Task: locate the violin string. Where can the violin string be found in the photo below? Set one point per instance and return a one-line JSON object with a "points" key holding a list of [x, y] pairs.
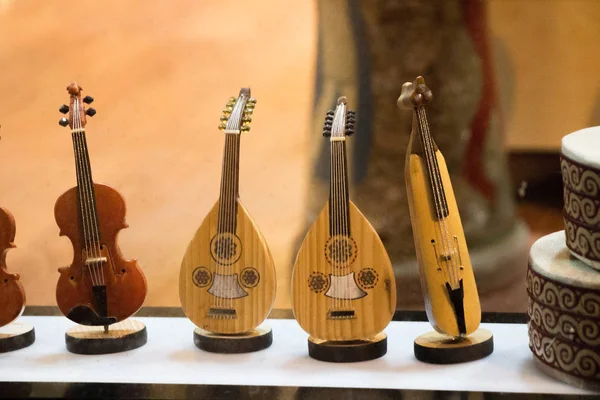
{"points": [[93, 211], [436, 177], [77, 128]]}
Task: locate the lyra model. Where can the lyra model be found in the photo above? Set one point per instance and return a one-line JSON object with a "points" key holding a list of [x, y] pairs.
{"points": [[343, 283], [447, 279], [227, 280], [12, 295], [100, 287]]}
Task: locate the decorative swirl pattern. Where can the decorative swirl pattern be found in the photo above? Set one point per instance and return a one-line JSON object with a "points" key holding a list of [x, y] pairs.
{"points": [[580, 178], [569, 327], [578, 361], [568, 298], [582, 240], [581, 209]]}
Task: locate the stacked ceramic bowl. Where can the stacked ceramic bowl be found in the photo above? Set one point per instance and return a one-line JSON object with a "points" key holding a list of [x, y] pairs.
{"points": [[563, 281]]}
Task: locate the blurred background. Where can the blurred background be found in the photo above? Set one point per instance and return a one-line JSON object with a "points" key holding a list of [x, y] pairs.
{"points": [[509, 79]]}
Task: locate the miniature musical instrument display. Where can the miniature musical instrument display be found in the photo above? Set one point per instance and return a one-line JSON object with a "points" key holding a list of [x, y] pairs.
{"points": [[100, 287], [447, 279], [343, 286], [12, 294], [227, 279]]}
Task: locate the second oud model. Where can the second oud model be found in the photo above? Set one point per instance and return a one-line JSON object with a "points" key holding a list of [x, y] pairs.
{"points": [[448, 283], [100, 287], [227, 279], [343, 284]]}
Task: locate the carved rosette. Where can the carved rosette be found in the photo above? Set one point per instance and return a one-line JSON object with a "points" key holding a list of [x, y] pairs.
{"points": [[564, 327], [581, 191]]}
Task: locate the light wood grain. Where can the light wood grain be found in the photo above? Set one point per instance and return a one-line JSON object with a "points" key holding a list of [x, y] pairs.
{"points": [[425, 228], [372, 312], [251, 309]]}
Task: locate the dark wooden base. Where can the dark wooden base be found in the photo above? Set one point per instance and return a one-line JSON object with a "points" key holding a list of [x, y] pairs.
{"points": [[254, 340], [435, 348], [15, 336], [348, 351], [125, 335]]}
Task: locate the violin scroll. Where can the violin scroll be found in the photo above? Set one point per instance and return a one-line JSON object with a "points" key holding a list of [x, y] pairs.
{"points": [[77, 111], [415, 94]]}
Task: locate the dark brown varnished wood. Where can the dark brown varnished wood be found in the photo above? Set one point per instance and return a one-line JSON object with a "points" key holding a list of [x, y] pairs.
{"points": [[12, 294], [125, 282]]}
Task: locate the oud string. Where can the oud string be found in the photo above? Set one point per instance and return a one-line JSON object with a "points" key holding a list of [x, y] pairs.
{"points": [[345, 229]]}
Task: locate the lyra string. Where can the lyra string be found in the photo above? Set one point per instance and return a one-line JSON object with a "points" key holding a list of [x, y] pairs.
{"points": [[449, 249]]}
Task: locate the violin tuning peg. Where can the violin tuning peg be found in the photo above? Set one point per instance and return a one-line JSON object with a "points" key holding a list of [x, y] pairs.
{"points": [[63, 122], [64, 109], [88, 99], [90, 112]]}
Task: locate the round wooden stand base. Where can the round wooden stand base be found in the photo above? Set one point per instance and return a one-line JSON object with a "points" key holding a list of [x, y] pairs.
{"points": [[254, 340], [348, 351], [435, 348], [125, 335], [570, 379], [15, 336]]}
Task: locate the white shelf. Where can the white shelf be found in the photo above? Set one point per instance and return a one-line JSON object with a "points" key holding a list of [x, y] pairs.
{"points": [[170, 357]]}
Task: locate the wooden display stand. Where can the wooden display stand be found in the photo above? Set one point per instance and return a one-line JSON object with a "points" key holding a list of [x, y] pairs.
{"points": [[253, 340], [15, 336], [435, 348], [348, 351], [123, 336]]}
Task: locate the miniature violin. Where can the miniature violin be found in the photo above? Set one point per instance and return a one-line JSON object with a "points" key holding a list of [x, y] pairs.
{"points": [[343, 285], [12, 295], [447, 278], [100, 287], [227, 279]]}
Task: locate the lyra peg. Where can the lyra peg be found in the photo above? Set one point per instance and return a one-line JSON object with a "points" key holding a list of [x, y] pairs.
{"points": [[343, 288], [227, 278], [447, 278], [100, 288]]}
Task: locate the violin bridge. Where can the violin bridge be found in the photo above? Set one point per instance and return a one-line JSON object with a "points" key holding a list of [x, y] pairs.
{"points": [[95, 260]]}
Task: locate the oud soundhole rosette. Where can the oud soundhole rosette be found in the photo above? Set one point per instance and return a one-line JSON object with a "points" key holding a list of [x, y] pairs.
{"points": [[340, 251], [225, 248], [368, 278], [249, 277], [201, 277], [318, 282]]}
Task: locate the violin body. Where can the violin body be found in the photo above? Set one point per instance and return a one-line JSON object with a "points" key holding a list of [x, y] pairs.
{"points": [[361, 287], [227, 293], [439, 308], [124, 280], [12, 294]]}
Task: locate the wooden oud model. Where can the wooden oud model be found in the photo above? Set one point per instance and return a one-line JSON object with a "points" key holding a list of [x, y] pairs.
{"points": [[343, 284], [12, 295], [227, 279], [447, 279], [100, 287]]}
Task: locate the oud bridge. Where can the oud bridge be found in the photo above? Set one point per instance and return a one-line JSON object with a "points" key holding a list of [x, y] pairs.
{"points": [[222, 313], [341, 314]]}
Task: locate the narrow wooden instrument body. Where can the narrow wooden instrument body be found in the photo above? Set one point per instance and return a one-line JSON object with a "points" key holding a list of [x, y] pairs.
{"points": [[425, 229], [372, 278], [125, 282], [247, 279], [12, 294]]}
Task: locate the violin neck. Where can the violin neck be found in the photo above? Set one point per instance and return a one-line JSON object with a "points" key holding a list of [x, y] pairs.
{"points": [[85, 190], [339, 214], [428, 152], [229, 194]]}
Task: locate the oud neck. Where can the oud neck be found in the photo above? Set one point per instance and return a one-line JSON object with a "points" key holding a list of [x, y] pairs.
{"points": [[85, 189], [433, 169], [229, 194], [339, 215]]}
